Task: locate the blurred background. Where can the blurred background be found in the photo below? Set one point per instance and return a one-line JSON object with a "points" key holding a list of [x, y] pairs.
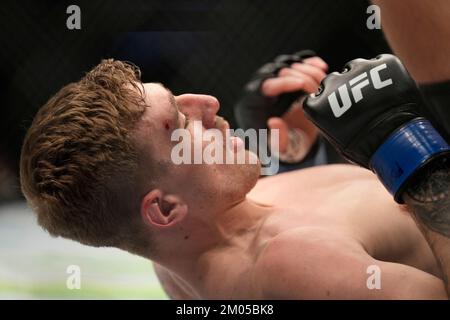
{"points": [[209, 47]]}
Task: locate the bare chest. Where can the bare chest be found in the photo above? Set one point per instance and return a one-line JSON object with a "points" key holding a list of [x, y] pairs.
{"points": [[349, 201]]}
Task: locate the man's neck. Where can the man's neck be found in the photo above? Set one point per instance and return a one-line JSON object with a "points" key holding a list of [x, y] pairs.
{"points": [[205, 235]]}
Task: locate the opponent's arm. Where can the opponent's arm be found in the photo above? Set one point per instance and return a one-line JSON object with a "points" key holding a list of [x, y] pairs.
{"points": [[419, 37], [428, 198], [418, 32]]}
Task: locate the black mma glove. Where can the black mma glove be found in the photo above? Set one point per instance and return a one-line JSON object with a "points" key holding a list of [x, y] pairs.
{"points": [[254, 108], [370, 113], [437, 106]]}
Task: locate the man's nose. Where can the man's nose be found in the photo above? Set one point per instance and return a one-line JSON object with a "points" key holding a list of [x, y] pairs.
{"points": [[199, 107]]}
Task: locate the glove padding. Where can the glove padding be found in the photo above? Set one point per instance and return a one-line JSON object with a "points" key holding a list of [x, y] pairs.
{"points": [[254, 108], [371, 113], [360, 107], [437, 106]]}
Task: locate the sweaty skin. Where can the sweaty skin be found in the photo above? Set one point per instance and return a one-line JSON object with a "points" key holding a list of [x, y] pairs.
{"points": [[317, 225]]}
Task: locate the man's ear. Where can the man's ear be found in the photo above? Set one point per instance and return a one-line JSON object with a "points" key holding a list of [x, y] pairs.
{"points": [[159, 210]]}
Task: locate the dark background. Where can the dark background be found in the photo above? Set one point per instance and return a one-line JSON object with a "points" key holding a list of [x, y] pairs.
{"points": [[209, 47]]}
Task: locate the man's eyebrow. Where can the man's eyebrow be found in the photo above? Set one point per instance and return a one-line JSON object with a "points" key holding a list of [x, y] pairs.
{"points": [[172, 101], [171, 96]]}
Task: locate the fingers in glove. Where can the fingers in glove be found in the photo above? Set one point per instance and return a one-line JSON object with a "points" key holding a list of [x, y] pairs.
{"points": [[318, 62], [291, 72], [315, 72], [276, 86]]}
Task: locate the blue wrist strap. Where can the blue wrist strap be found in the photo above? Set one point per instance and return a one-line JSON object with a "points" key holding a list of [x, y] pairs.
{"points": [[404, 152]]}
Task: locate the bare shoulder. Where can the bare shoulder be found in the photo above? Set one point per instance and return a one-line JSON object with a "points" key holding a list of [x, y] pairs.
{"points": [[294, 262], [311, 263], [306, 241]]}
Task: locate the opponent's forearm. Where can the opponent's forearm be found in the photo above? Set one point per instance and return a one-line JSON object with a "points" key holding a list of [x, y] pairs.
{"points": [[428, 199], [418, 31]]}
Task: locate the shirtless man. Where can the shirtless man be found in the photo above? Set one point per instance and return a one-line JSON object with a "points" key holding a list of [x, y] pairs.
{"points": [[310, 234], [418, 37], [96, 168]]}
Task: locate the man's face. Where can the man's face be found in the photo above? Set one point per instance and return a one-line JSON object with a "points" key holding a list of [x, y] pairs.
{"points": [[218, 184]]}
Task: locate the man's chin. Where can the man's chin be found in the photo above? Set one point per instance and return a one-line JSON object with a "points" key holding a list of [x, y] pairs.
{"points": [[239, 181], [252, 169]]}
